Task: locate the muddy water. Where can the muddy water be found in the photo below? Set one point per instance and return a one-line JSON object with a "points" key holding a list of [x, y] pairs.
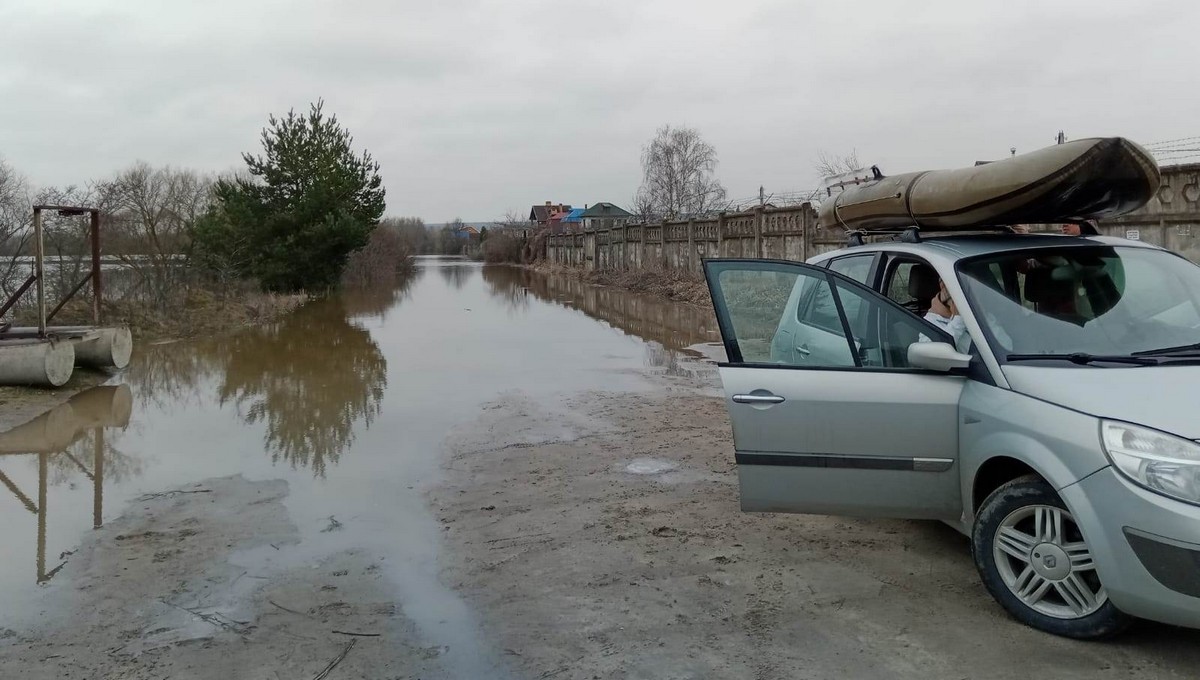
{"points": [[349, 400]]}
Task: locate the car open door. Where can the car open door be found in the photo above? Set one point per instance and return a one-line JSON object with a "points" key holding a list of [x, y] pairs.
{"points": [[845, 427]]}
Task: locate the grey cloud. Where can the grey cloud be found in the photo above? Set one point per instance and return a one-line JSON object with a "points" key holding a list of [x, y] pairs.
{"points": [[474, 107]]}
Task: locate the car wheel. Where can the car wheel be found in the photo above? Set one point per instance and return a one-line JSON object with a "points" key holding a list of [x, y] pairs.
{"points": [[1034, 560]]}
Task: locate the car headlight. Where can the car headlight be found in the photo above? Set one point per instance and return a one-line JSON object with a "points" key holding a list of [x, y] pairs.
{"points": [[1161, 462]]}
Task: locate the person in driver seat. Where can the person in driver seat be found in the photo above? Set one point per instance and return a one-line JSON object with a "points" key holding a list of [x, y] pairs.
{"points": [[928, 289]]}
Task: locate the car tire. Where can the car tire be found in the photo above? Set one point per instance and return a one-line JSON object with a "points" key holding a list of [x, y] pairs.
{"points": [[1033, 559]]}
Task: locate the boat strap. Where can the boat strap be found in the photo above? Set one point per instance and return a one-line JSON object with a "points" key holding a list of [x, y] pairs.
{"points": [[908, 198]]}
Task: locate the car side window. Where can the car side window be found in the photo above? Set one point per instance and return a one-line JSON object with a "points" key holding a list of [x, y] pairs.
{"points": [[818, 308], [857, 267], [897, 285]]}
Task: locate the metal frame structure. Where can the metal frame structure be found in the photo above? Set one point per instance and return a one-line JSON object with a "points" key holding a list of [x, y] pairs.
{"points": [[39, 273]]}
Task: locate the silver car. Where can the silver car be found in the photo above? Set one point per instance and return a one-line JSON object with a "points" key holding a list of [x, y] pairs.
{"points": [[1058, 430]]}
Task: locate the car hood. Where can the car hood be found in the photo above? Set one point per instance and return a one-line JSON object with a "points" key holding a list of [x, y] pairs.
{"points": [[1161, 397]]}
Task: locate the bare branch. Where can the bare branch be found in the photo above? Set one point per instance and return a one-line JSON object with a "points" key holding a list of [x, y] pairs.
{"points": [[829, 165], [678, 169]]}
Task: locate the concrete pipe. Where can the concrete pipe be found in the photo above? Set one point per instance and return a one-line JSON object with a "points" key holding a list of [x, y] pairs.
{"points": [[110, 349], [46, 363]]}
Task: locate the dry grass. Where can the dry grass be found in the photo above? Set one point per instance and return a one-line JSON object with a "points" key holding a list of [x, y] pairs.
{"points": [[198, 312], [672, 284]]}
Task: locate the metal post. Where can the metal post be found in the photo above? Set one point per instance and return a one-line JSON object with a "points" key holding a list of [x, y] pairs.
{"points": [[96, 289], [39, 252]]}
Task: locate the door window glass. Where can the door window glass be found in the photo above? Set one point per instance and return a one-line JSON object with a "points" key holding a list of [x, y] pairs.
{"points": [[755, 301], [882, 333], [795, 315]]}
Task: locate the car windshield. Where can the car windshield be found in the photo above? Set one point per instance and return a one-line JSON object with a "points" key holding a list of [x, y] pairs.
{"points": [[1102, 301]]}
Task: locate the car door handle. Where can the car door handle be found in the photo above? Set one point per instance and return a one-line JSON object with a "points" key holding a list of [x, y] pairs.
{"points": [[757, 399], [803, 350]]}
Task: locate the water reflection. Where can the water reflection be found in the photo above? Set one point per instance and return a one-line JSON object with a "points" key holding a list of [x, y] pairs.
{"points": [[63, 439], [672, 325], [377, 301], [310, 379], [457, 277]]}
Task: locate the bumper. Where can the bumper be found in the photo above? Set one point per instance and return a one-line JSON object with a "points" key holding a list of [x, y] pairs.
{"points": [[1146, 547]]}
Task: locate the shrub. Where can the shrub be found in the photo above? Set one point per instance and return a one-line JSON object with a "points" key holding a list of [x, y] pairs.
{"points": [[379, 262], [501, 248]]}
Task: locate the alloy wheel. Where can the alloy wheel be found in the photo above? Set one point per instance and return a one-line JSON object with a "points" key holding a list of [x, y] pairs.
{"points": [[1043, 559]]}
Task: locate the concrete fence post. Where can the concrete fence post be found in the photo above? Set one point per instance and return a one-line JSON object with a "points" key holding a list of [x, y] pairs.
{"points": [[691, 228], [720, 232], [758, 232], [805, 231], [642, 255], [624, 246], [666, 257]]}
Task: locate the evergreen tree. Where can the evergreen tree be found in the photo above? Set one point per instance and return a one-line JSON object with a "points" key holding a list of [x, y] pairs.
{"points": [[306, 204]]}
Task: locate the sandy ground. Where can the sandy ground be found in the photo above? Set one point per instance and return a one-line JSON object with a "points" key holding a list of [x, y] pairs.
{"points": [[596, 537], [610, 545], [184, 586]]}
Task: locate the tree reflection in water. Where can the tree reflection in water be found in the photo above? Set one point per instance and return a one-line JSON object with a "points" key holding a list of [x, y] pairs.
{"points": [[509, 285], [674, 325], [457, 273], [376, 301], [311, 378]]}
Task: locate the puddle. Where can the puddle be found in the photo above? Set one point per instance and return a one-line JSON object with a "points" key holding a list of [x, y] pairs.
{"points": [[650, 466], [348, 400]]}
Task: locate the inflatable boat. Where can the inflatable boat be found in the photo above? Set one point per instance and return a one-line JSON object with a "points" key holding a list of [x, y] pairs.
{"points": [[1085, 179]]}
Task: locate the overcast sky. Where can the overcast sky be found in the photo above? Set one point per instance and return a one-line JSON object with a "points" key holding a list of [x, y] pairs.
{"points": [[477, 107]]}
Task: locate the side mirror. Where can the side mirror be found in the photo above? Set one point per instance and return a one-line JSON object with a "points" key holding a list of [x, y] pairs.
{"points": [[937, 356]]}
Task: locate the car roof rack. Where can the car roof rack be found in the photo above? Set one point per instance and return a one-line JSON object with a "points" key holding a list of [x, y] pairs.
{"points": [[915, 235]]}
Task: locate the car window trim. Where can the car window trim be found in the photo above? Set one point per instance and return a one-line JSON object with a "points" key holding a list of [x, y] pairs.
{"points": [[872, 271]]}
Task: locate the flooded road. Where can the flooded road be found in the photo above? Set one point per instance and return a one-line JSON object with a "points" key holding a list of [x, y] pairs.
{"points": [[348, 400]]}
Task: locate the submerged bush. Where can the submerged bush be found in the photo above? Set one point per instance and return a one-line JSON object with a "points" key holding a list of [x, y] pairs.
{"points": [[379, 262]]}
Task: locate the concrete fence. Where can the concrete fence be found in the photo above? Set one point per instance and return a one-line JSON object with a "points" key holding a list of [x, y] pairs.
{"points": [[782, 233], [1171, 220]]}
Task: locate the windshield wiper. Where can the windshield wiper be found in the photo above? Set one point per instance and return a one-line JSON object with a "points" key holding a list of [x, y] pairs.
{"points": [[1083, 358], [1181, 350]]}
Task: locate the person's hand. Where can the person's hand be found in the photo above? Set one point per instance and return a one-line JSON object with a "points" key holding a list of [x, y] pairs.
{"points": [[1020, 228], [953, 307]]}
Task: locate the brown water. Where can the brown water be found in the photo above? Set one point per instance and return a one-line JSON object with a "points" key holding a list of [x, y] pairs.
{"points": [[348, 399]]}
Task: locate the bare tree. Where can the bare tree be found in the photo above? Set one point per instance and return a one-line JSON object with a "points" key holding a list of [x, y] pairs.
{"points": [[15, 216], [150, 215], [678, 169], [412, 231], [829, 165]]}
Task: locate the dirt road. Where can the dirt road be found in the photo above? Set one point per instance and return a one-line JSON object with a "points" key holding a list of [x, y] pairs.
{"points": [[610, 545]]}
